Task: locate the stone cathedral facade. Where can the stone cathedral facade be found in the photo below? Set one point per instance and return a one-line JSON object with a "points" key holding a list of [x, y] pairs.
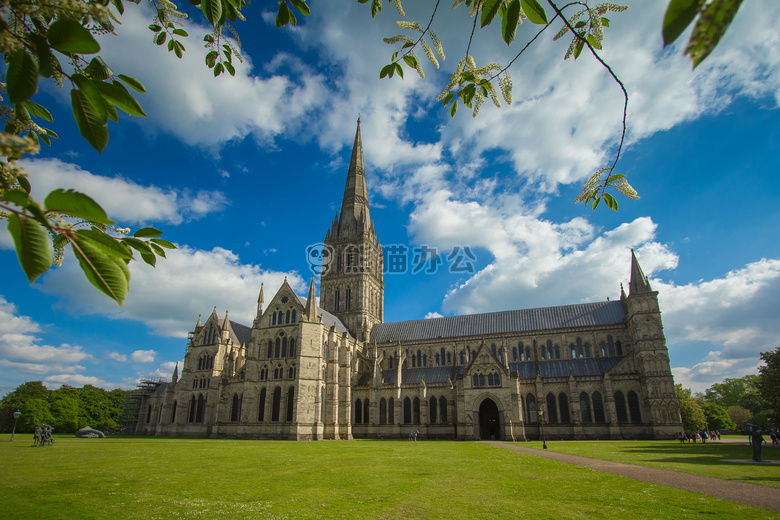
{"points": [[337, 371]]}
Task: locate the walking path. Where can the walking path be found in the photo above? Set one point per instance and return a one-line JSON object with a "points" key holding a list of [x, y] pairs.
{"points": [[756, 495]]}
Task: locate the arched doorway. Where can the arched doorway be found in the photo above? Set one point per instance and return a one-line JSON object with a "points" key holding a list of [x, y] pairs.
{"points": [[489, 420]]}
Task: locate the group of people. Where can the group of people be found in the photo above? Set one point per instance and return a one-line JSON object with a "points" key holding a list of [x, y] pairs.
{"points": [[700, 436], [43, 435]]}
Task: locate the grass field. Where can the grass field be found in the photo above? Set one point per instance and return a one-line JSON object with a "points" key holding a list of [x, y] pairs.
{"points": [[702, 459], [149, 478]]}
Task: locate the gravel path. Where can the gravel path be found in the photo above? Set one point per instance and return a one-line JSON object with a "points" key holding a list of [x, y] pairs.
{"points": [[756, 495]]}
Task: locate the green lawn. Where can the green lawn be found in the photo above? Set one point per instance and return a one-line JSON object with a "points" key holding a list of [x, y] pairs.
{"points": [[702, 459], [148, 478]]}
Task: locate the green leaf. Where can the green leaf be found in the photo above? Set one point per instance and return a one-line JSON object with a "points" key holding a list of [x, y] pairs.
{"points": [[509, 23], [120, 7], [489, 11], [535, 12], [32, 245], [147, 232], [45, 139], [69, 36], [454, 108], [411, 61], [218, 69], [37, 110], [161, 38], [155, 28], [211, 58], [138, 245], [610, 201], [679, 14], [46, 59], [593, 43], [613, 178], [24, 183], [116, 94], [108, 274], [163, 243], [90, 89], [212, 9], [77, 205], [19, 197], [578, 48], [710, 28], [111, 113], [92, 127], [301, 6], [107, 244], [180, 32], [97, 69], [21, 77], [229, 67], [448, 98], [596, 201], [133, 83], [170, 45], [283, 16], [157, 249], [399, 69], [52, 133], [387, 70], [376, 8]]}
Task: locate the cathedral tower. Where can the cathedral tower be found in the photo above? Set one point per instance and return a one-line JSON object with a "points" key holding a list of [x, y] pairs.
{"points": [[351, 284]]}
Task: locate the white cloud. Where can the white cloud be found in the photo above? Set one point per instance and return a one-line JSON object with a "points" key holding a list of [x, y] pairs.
{"points": [[187, 101], [116, 356], [169, 297], [123, 199], [55, 381], [432, 315], [21, 350], [143, 356]]}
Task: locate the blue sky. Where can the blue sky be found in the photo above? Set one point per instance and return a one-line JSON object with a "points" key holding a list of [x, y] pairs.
{"points": [[244, 173]]}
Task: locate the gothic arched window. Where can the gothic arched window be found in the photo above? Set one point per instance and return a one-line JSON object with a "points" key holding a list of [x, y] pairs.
{"points": [[620, 407], [598, 407], [585, 408], [633, 407], [261, 406], [563, 405]]}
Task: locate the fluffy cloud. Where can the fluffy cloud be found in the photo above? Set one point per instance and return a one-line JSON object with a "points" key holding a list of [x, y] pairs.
{"points": [[189, 103], [124, 200], [116, 356], [20, 349], [169, 297], [143, 356], [55, 381]]}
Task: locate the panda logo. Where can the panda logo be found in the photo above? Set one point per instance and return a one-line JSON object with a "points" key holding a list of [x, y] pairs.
{"points": [[319, 257]]}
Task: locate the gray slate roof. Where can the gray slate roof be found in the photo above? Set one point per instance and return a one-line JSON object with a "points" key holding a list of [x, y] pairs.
{"points": [[564, 367], [526, 320], [430, 375], [327, 318]]}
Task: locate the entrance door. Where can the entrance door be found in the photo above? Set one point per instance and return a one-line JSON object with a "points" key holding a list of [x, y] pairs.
{"points": [[488, 421]]}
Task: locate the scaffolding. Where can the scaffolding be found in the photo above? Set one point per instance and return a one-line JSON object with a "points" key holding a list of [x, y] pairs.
{"points": [[131, 406]]}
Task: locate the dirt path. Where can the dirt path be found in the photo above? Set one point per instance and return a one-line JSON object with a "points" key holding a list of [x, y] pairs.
{"points": [[756, 495]]}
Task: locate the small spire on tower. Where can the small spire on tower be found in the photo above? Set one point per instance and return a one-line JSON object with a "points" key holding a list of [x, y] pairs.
{"points": [[311, 303], [175, 377], [225, 324], [639, 282], [260, 301]]}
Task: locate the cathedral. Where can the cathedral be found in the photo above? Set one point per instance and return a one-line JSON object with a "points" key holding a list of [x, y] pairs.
{"points": [[336, 370]]}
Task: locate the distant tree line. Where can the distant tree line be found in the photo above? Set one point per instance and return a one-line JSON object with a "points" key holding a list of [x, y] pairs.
{"points": [[67, 409], [736, 402]]}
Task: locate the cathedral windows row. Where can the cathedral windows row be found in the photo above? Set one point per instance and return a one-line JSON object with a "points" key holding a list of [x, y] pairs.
{"points": [[276, 404], [201, 382], [579, 350], [205, 362], [611, 348], [438, 410], [210, 336], [591, 408], [235, 408], [412, 411], [551, 352], [280, 348], [278, 373], [283, 318], [387, 411], [521, 353], [197, 409], [361, 411], [479, 380]]}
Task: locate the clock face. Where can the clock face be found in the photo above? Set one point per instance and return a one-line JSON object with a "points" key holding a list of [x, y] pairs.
{"points": [[284, 299]]}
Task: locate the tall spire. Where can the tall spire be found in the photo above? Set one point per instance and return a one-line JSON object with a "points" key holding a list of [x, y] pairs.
{"points": [[311, 303], [639, 282], [175, 377], [260, 302], [355, 202]]}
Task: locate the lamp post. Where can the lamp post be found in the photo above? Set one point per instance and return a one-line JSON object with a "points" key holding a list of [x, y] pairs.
{"points": [[17, 413], [541, 424]]}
